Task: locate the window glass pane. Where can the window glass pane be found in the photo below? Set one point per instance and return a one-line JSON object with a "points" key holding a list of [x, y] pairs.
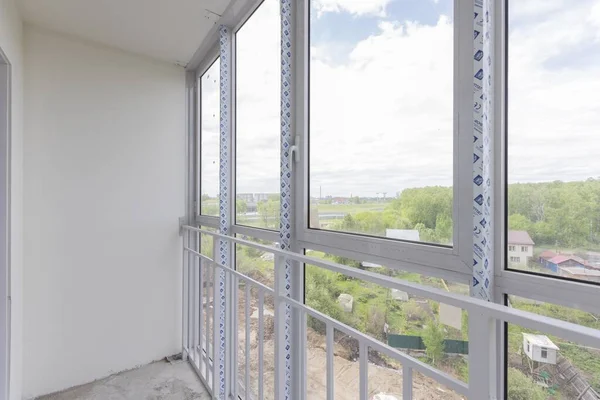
{"points": [[207, 241], [381, 118], [433, 332], [257, 126], [255, 263], [249, 341], [546, 367], [206, 270], [259, 266], [209, 138], [553, 119]]}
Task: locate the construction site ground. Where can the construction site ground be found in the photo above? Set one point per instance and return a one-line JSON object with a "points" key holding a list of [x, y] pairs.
{"points": [[384, 378]]}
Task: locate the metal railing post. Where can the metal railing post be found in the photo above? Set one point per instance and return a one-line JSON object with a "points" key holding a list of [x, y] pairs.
{"points": [[407, 381], [233, 334], [484, 318], [482, 357], [280, 320], [184, 304], [216, 337]]}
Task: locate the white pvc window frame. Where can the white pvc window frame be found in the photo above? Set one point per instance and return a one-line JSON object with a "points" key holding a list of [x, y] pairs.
{"points": [[453, 263], [581, 295], [242, 229], [212, 57], [5, 224], [448, 263]]}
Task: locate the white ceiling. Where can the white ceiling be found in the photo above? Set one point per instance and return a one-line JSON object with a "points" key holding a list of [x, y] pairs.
{"points": [[169, 30]]}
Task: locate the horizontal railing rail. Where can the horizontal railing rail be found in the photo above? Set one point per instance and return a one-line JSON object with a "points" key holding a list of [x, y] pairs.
{"points": [[482, 325]]}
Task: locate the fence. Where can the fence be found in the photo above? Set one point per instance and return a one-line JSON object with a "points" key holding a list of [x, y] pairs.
{"points": [[210, 333], [416, 343]]}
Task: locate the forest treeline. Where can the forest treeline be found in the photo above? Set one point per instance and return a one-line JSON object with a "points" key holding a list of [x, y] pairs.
{"points": [[557, 214]]}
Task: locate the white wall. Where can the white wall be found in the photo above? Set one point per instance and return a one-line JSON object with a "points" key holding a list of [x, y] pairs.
{"points": [[523, 255], [11, 44], [537, 355], [104, 187]]}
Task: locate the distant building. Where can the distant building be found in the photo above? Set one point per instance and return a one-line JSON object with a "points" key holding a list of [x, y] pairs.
{"points": [[593, 258], [581, 273], [340, 200], [539, 348], [254, 197], [545, 256], [258, 197], [561, 261], [403, 234], [247, 197], [520, 247], [251, 207]]}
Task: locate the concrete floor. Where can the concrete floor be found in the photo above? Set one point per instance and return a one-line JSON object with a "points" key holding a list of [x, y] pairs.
{"points": [[157, 381]]}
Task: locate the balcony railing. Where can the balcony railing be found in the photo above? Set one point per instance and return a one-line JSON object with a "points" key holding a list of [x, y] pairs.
{"points": [[207, 349]]}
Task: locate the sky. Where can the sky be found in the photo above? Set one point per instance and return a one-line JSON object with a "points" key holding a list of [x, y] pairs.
{"points": [[381, 105]]}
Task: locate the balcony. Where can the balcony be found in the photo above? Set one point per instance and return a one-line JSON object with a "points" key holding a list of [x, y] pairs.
{"points": [[311, 199]]}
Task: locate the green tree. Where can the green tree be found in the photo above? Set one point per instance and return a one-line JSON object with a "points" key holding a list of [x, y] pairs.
{"points": [[443, 227], [210, 209], [433, 338], [375, 321], [269, 213], [423, 205], [321, 294], [560, 214], [241, 206], [426, 234], [520, 222], [521, 387]]}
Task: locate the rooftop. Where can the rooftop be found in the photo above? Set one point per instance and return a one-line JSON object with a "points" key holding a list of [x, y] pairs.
{"points": [[561, 258], [581, 271], [519, 237], [403, 234], [547, 254], [540, 340]]}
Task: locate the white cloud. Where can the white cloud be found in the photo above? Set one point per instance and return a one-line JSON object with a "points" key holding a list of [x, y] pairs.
{"points": [[533, 8], [554, 109], [209, 97], [356, 7], [382, 120], [258, 109], [258, 104]]}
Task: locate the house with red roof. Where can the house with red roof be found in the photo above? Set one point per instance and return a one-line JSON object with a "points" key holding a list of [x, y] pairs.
{"points": [[546, 255], [563, 261], [520, 247]]}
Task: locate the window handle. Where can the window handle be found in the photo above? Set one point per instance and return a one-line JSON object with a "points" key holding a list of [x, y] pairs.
{"points": [[293, 154]]}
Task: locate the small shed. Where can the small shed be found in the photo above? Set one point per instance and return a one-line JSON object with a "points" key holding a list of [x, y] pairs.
{"points": [[399, 295], [346, 301], [539, 348], [365, 265]]}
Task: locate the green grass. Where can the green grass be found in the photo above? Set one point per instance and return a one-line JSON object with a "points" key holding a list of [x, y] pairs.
{"points": [[373, 306], [408, 276], [585, 359]]}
